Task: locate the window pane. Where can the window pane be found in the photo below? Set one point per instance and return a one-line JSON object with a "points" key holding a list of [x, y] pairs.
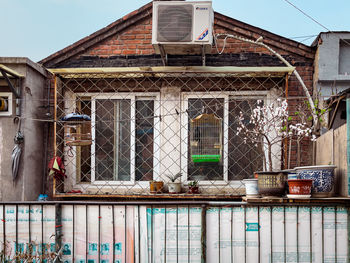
{"points": [[144, 140], [243, 158], [84, 159], [206, 170], [122, 139], [113, 140]]}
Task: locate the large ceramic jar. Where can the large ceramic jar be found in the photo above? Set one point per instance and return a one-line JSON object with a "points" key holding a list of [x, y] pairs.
{"points": [[272, 183], [322, 176]]}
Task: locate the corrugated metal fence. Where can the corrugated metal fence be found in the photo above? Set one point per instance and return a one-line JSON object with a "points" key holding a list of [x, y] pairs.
{"points": [[173, 232]]}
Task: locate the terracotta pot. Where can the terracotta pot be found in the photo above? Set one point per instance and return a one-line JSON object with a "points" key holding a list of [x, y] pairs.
{"points": [[174, 188], [272, 183], [193, 190], [300, 186], [155, 186]]}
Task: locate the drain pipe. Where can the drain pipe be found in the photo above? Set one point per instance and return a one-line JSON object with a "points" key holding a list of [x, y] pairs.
{"points": [[259, 42], [348, 140], [46, 138]]}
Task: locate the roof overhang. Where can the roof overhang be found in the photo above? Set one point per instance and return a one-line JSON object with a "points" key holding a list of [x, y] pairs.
{"points": [[9, 72], [134, 72]]}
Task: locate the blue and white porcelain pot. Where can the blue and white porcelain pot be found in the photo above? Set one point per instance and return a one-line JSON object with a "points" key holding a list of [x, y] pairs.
{"points": [[323, 178]]}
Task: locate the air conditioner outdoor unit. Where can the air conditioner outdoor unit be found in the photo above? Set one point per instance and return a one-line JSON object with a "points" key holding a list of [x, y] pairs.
{"points": [[181, 27]]}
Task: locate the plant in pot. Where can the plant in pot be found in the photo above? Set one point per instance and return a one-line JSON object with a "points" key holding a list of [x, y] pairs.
{"points": [[193, 187], [173, 186], [156, 187], [267, 127], [322, 176]]}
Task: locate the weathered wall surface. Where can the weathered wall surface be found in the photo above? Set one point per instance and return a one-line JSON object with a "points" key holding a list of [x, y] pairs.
{"points": [[332, 149], [330, 63], [177, 233], [28, 184]]}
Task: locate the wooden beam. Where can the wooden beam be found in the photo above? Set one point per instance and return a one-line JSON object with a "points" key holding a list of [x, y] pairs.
{"points": [[11, 71], [9, 83], [280, 71]]}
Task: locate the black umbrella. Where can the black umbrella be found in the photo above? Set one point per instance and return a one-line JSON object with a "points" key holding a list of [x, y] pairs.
{"points": [[16, 153]]}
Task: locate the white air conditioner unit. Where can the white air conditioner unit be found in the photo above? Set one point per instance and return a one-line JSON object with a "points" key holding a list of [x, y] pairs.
{"points": [[180, 27]]}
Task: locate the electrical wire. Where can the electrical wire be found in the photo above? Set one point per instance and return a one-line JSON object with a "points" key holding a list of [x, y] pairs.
{"points": [[304, 13], [313, 19], [303, 36]]}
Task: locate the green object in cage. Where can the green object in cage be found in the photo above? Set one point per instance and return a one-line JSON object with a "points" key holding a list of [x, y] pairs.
{"points": [[206, 139], [212, 158]]}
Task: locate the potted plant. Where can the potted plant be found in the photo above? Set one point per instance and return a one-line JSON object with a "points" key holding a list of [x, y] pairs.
{"points": [[322, 176], [267, 127], [193, 187], [155, 186], [174, 187]]}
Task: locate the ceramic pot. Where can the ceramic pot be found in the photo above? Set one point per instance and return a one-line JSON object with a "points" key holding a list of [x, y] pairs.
{"points": [[322, 176], [272, 183], [155, 186], [291, 173], [251, 187], [300, 186], [193, 190], [174, 188]]}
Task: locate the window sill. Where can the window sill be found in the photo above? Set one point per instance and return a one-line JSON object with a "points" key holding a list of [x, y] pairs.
{"points": [[285, 200], [150, 196]]}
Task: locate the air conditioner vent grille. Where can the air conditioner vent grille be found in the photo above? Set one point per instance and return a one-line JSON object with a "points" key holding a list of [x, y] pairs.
{"points": [[175, 23]]}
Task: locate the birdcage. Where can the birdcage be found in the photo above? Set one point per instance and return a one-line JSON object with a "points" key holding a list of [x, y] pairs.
{"points": [[206, 139], [77, 129]]}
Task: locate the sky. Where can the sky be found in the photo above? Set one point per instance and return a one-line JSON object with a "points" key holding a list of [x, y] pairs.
{"points": [[39, 28]]}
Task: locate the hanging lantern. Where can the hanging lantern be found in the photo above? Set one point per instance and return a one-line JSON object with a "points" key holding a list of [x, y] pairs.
{"points": [[206, 139], [77, 129]]}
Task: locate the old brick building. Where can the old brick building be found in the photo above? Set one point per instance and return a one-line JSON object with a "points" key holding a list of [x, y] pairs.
{"points": [[140, 105]]}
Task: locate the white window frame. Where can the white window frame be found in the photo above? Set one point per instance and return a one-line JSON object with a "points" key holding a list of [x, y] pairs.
{"points": [[133, 97], [9, 106], [185, 96]]}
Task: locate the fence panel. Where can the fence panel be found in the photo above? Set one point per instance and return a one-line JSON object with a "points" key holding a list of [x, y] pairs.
{"points": [[169, 232]]}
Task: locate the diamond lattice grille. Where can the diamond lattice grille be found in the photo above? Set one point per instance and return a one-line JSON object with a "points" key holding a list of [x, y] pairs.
{"points": [[141, 129]]}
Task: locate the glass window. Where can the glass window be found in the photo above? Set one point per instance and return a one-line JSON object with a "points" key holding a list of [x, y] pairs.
{"points": [[204, 171], [114, 144], [113, 140], [238, 160]]}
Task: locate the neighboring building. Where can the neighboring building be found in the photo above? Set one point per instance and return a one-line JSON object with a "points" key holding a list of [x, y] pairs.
{"points": [[23, 94], [332, 62], [141, 105], [332, 86], [332, 71]]}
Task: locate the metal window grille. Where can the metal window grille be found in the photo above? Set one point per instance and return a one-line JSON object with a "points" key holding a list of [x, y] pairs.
{"points": [[140, 123]]}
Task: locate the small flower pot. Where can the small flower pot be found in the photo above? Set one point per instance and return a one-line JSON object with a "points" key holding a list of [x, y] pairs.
{"points": [[174, 188], [193, 190], [155, 187], [251, 187], [300, 186]]}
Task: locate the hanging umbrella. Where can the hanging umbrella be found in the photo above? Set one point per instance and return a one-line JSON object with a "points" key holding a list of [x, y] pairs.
{"points": [[16, 154]]}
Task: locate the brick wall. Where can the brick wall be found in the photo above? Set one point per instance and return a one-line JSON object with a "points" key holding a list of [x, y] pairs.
{"points": [[132, 47]]}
